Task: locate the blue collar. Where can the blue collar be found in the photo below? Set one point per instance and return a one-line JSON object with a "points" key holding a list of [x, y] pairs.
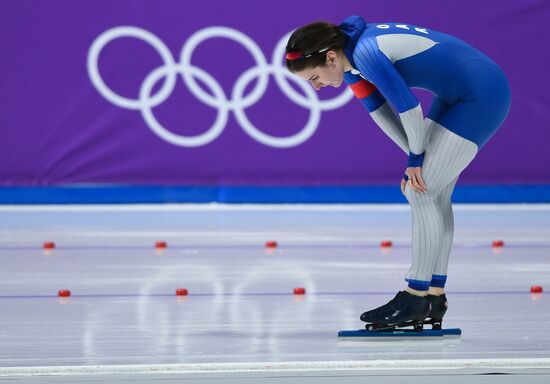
{"points": [[348, 50], [353, 27]]}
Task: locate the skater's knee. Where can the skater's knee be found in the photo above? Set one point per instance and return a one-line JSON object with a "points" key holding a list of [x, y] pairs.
{"points": [[416, 198]]}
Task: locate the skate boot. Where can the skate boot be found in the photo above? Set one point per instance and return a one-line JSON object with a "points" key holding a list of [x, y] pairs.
{"points": [[437, 311], [403, 311]]}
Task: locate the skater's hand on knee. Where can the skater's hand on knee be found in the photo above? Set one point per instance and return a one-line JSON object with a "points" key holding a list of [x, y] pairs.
{"points": [[415, 179], [403, 184]]}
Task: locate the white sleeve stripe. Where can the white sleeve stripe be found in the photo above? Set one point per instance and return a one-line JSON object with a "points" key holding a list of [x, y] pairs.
{"points": [[413, 123]]}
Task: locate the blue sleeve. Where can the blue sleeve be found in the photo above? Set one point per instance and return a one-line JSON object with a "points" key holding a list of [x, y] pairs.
{"points": [[377, 68]]}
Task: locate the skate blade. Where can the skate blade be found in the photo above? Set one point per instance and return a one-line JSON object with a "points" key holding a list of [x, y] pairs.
{"points": [[399, 334]]}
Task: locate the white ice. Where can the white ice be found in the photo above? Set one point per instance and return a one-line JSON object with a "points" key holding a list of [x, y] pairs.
{"points": [[241, 309]]}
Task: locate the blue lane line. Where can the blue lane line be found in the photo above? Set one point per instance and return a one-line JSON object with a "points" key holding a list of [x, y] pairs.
{"points": [[133, 194], [257, 294]]}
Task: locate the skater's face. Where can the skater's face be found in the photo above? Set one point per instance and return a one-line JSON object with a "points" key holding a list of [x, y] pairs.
{"points": [[330, 74]]}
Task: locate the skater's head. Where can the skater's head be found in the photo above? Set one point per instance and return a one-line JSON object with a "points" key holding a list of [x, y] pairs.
{"points": [[314, 52]]}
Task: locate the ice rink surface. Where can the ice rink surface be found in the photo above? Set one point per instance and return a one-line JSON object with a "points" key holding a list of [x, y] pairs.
{"points": [[241, 321]]}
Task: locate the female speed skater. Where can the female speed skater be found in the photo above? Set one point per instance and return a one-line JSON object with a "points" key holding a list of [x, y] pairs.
{"points": [[471, 98]]}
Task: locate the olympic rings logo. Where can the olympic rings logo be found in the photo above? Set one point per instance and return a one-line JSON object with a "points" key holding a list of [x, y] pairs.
{"points": [[237, 103]]}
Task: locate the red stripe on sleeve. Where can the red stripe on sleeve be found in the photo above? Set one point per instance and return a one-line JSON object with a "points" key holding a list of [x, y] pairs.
{"points": [[362, 89]]}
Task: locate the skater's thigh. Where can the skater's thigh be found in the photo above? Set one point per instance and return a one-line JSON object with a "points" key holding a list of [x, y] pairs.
{"points": [[482, 102], [447, 155]]}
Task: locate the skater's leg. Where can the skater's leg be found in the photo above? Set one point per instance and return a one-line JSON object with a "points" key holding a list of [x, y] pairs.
{"points": [[436, 292], [437, 110], [447, 155], [474, 117], [439, 276], [427, 231]]}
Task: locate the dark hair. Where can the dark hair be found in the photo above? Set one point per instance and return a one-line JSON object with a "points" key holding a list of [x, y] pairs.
{"points": [[312, 41]]}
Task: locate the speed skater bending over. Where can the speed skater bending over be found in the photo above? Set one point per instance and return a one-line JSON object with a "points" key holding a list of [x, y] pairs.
{"points": [[381, 62]]}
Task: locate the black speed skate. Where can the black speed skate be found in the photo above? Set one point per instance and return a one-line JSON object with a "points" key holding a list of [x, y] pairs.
{"points": [[438, 307], [404, 310]]}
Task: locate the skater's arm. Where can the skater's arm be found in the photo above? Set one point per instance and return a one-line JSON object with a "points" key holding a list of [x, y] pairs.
{"points": [[388, 121], [376, 67], [380, 111]]}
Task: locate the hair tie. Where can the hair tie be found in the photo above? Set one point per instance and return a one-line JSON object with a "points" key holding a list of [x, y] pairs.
{"points": [[295, 55]]}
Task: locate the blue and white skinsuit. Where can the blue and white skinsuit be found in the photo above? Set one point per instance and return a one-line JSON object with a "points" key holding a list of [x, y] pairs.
{"points": [[471, 100]]}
